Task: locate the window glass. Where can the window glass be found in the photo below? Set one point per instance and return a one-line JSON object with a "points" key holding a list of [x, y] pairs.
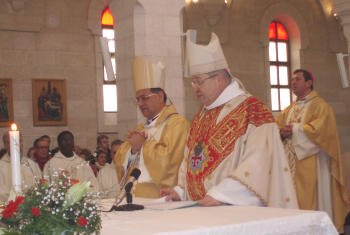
{"points": [[113, 63], [282, 51], [281, 32], [272, 51], [107, 18], [284, 97], [279, 66], [110, 98], [111, 46], [108, 33], [273, 75], [283, 75], [109, 88], [272, 31], [274, 99]]}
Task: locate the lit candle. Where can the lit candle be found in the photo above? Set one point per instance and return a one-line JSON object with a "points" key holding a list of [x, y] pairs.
{"points": [[15, 158]]}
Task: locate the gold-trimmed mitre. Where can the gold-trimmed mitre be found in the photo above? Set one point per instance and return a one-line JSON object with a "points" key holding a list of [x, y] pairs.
{"points": [[148, 74], [203, 58]]}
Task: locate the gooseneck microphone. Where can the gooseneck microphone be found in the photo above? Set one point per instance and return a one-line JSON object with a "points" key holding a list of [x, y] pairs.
{"points": [[127, 193], [134, 175]]}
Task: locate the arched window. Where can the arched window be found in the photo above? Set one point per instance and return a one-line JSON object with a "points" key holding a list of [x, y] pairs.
{"points": [[279, 66], [109, 87]]}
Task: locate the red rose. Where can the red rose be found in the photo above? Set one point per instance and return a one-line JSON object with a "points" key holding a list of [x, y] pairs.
{"points": [[35, 211], [12, 207], [19, 200], [73, 181], [82, 221]]}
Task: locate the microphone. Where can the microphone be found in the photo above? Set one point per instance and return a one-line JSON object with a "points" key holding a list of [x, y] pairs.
{"points": [[129, 206], [134, 175]]}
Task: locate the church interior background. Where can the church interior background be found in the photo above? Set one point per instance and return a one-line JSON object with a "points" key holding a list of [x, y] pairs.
{"points": [[60, 39]]}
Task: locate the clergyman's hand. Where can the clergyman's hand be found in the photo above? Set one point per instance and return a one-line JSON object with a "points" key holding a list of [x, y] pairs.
{"points": [[286, 132], [209, 201], [136, 139], [170, 194]]}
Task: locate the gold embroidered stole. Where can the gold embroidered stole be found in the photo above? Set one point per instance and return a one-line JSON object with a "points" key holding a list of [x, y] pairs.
{"points": [[296, 115], [209, 143]]}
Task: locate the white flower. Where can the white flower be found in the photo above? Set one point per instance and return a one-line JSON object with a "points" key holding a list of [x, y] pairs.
{"points": [[76, 193]]}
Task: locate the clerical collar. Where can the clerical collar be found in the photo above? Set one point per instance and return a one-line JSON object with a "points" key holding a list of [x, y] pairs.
{"points": [[149, 121], [230, 92], [59, 154], [304, 98]]}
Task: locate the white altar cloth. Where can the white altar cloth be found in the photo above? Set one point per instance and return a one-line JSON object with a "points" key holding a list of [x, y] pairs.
{"points": [[230, 220]]}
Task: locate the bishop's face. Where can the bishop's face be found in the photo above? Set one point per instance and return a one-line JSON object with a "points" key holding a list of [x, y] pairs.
{"points": [[150, 104], [206, 87]]}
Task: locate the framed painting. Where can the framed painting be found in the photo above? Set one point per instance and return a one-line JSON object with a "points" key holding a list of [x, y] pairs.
{"points": [[6, 102], [49, 102]]}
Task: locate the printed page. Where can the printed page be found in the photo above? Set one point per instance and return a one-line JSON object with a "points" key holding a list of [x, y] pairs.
{"points": [[161, 204]]}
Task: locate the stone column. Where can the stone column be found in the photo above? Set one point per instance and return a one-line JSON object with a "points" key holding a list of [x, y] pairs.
{"points": [[342, 8], [149, 28]]}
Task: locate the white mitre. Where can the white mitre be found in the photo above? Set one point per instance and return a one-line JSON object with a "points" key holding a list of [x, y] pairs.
{"points": [[203, 58], [148, 74]]}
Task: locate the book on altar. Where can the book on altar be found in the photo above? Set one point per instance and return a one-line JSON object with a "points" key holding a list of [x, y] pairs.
{"points": [[162, 204]]}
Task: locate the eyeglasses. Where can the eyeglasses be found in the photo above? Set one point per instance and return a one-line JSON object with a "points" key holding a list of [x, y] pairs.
{"points": [[200, 82], [143, 98]]}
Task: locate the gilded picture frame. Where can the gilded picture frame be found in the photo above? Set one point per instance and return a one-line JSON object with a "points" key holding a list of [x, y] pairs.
{"points": [[49, 102]]}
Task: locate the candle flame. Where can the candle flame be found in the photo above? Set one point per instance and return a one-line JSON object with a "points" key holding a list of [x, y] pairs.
{"points": [[13, 127]]}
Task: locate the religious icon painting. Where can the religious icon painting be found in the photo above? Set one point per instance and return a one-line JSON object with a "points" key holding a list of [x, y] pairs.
{"points": [[49, 102], [6, 102]]}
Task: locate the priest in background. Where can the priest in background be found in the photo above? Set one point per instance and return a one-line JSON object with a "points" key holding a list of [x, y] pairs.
{"points": [[156, 147], [233, 154], [107, 176], [65, 161], [41, 151], [309, 132], [30, 171]]}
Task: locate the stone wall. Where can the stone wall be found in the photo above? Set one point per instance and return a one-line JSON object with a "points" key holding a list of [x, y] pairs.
{"points": [[50, 39], [59, 39], [243, 30]]}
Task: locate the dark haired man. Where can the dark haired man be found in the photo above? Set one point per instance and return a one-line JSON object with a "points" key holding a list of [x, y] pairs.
{"points": [[103, 143], [156, 147], [65, 161], [309, 132]]}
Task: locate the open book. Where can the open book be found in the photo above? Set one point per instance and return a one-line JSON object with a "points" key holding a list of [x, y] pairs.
{"points": [[161, 204], [152, 204]]}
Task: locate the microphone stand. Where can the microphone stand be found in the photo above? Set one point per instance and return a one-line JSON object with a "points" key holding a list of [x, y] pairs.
{"points": [[129, 206]]}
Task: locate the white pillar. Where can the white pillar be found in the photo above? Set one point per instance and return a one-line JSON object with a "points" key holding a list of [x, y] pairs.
{"points": [[149, 28], [342, 9], [162, 41]]}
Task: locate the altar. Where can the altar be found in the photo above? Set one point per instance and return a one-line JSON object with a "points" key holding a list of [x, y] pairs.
{"points": [[240, 220]]}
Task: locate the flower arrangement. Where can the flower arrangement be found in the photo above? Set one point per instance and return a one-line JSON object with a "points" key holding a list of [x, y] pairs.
{"points": [[60, 207]]}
